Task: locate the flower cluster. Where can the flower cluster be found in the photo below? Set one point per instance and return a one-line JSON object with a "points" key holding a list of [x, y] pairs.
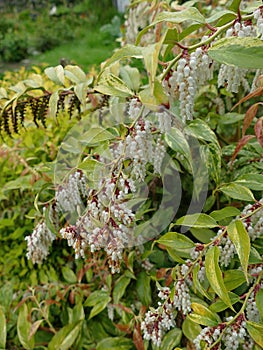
{"points": [[252, 312], [159, 320], [192, 71], [39, 242], [258, 15], [70, 194], [233, 335], [106, 222], [233, 76], [253, 219]]}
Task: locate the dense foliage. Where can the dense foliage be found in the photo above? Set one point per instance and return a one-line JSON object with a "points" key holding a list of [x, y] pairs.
{"points": [[147, 178]]}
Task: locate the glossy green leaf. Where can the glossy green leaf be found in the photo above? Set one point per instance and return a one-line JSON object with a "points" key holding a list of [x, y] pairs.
{"points": [[189, 14], [143, 288], [171, 339], [75, 74], [202, 315], [197, 284], [178, 242], [119, 289], [53, 104], [255, 330], [151, 56], [126, 51], [96, 135], [233, 279], [117, 343], [69, 275], [56, 74], [214, 275], [99, 299], [131, 76], [240, 238], [155, 99], [237, 51], [65, 337], [201, 130], [3, 332], [220, 15], [112, 85], [219, 305], [23, 328], [203, 235], [236, 191], [197, 221], [234, 5], [190, 329], [259, 302], [252, 181], [254, 256], [225, 212], [176, 140]]}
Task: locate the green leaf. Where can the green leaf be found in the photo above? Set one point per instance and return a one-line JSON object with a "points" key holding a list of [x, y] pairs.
{"points": [[234, 6], [201, 130], [99, 300], [53, 104], [259, 302], [116, 343], [75, 74], [171, 339], [254, 256], [197, 221], [252, 181], [131, 76], [143, 288], [69, 275], [65, 337], [123, 53], [240, 238], [237, 51], [219, 15], [96, 135], [3, 332], [225, 212], [197, 284], [176, 140], [214, 275], [56, 74], [219, 305], [190, 329], [155, 99], [119, 289], [112, 85], [202, 315], [23, 328], [203, 235], [190, 14], [236, 191], [178, 242], [151, 56], [255, 330], [233, 279]]}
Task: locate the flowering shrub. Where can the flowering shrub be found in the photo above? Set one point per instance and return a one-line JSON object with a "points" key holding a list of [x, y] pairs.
{"points": [[157, 187]]}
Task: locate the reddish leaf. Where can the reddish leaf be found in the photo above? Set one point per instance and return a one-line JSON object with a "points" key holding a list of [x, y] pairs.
{"points": [[123, 328], [241, 144], [255, 93], [250, 114], [137, 338], [259, 130]]}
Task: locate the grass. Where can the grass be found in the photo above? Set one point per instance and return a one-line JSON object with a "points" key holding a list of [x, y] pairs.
{"points": [[90, 48]]}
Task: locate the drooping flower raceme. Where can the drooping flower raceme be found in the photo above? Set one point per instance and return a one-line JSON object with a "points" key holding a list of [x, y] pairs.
{"points": [[39, 242]]}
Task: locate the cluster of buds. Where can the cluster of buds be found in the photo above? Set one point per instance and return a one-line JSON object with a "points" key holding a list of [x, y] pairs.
{"points": [[231, 76], [252, 312], [192, 71], [39, 242], [253, 219], [69, 196], [158, 321], [258, 15], [106, 223], [232, 335]]}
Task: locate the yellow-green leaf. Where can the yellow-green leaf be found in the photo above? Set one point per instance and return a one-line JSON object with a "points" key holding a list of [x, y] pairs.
{"points": [[255, 330], [23, 328], [2, 329], [214, 275], [240, 238]]}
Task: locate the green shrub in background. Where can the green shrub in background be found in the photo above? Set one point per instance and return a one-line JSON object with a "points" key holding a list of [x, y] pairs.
{"points": [[148, 183]]}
